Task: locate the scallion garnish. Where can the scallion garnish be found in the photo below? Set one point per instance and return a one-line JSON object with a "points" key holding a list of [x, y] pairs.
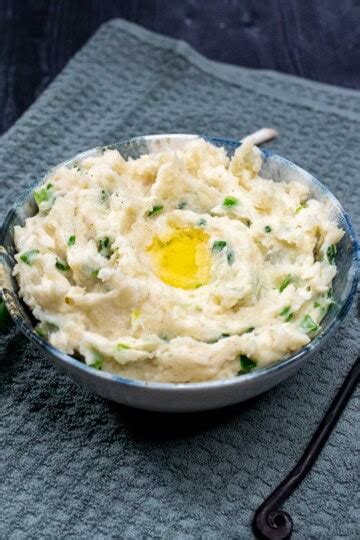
{"points": [[97, 359], [267, 228], [230, 201], [71, 240], [95, 272], [29, 256], [62, 265], [325, 302], [286, 313], [156, 210], [309, 325], [285, 282], [104, 247], [246, 364], [218, 246], [122, 346], [250, 329], [44, 329], [44, 194], [301, 207], [331, 254]]}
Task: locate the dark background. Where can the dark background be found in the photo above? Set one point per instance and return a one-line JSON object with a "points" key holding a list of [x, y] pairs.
{"points": [[317, 39]]}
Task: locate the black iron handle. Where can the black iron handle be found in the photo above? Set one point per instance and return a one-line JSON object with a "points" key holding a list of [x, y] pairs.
{"points": [[272, 523]]}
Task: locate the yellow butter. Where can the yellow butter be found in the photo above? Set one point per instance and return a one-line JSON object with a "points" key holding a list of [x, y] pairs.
{"points": [[183, 261]]}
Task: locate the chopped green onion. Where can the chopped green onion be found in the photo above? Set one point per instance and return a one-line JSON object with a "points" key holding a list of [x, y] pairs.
{"points": [[218, 246], [97, 360], [156, 210], [285, 282], [104, 247], [182, 205], [122, 346], [323, 308], [325, 302], [309, 325], [104, 242], [250, 329], [94, 273], [40, 331], [331, 253], [267, 229], [201, 222], [230, 256], [286, 313], [230, 201], [62, 265], [29, 256], [71, 240], [246, 364], [44, 329], [44, 194], [301, 207]]}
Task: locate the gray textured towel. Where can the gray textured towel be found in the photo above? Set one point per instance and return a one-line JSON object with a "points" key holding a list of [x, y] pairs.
{"points": [[78, 466]]}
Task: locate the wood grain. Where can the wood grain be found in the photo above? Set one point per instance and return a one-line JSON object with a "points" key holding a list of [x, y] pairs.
{"points": [[311, 38]]}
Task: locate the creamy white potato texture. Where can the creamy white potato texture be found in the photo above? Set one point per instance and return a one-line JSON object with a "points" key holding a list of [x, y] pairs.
{"points": [[179, 266]]}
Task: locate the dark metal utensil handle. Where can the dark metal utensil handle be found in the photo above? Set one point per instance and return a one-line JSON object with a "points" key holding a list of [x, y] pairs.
{"points": [[272, 523]]}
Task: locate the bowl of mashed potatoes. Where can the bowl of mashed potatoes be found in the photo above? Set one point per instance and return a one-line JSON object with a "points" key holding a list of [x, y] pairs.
{"points": [[178, 272]]}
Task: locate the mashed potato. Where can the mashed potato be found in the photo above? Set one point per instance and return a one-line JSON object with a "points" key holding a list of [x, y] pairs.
{"points": [[179, 266]]}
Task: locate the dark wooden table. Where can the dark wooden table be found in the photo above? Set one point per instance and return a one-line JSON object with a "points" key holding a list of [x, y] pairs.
{"points": [[317, 39]]}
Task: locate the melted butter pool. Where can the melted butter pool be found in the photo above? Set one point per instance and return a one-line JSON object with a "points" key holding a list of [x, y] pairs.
{"points": [[184, 261]]}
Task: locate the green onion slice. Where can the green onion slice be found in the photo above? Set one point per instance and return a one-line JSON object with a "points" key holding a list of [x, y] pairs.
{"points": [[230, 201], [156, 210], [246, 364], [285, 282], [62, 265], [331, 254], [29, 256], [309, 325], [218, 246]]}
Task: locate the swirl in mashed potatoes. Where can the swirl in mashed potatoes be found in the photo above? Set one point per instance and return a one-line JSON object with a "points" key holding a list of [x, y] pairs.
{"points": [[179, 266]]}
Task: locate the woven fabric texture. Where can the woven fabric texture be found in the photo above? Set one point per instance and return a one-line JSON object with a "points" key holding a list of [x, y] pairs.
{"points": [[77, 466]]}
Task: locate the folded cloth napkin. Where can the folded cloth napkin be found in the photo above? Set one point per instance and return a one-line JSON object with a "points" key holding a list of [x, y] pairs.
{"points": [[79, 466]]}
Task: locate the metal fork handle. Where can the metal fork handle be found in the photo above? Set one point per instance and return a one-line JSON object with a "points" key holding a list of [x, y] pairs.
{"points": [[272, 523]]}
